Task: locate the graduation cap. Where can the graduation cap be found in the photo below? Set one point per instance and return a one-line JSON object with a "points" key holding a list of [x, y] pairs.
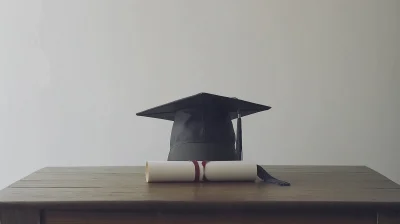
{"points": [[203, 130]]}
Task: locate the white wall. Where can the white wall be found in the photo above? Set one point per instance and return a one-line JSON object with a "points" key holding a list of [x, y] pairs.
{"points": [[74, 73]]}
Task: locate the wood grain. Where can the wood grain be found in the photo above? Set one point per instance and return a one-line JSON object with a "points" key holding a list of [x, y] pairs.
{"points": [[19, 216], [126, 186], [162, 218]]}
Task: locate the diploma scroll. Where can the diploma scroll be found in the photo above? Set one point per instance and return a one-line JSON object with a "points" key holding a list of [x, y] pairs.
{"points": [[198, 171]]}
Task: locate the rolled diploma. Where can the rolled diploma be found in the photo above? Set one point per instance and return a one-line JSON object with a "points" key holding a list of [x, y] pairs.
{"points": [[184, 171]]}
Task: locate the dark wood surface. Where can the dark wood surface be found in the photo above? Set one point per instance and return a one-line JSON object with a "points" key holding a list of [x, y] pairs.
{"points": [[388, 217], [108, 195], [311, 185], [184, 218], [19, 216]]}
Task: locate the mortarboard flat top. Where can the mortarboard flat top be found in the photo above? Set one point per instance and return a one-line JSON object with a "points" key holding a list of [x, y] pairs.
{"points": [[230, 105]]}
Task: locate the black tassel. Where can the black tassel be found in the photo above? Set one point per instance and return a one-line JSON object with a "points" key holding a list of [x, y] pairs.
{"points": [[239, 153], [261, 172], [266, 177]]}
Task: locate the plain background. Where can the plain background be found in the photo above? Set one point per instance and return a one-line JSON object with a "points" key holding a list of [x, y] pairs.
{"points": [[73, 73]]}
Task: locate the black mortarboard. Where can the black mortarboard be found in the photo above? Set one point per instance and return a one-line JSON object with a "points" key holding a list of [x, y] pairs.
{"points": [[202, 128], [227, 105]]}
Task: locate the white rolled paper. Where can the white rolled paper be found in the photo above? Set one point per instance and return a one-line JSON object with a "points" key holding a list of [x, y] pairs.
{"points": [[190, 171]]}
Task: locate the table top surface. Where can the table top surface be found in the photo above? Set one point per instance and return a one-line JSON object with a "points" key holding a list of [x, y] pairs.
{"points": [[311, 185]]}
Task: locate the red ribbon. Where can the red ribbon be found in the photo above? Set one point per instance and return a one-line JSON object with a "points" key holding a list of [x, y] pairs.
{"points": [[196, 171], [204, 163]]}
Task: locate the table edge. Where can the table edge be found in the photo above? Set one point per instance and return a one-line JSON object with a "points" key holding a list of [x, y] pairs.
{"points": [[184, 205]]}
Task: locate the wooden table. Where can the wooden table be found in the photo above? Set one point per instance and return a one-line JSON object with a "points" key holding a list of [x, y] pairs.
{"points": [[111, 195]]}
